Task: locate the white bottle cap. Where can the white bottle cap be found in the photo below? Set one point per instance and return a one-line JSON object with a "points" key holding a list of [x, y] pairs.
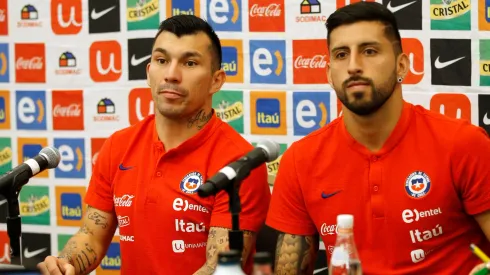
{"points": [[345, 221]]}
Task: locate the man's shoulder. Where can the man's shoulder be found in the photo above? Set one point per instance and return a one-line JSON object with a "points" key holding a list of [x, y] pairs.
{"points": [[122, 136], [228, 138]]}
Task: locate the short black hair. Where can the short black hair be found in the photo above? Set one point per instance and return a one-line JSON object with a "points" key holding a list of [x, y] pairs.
{"points": [[366, 11], [190, 24]]}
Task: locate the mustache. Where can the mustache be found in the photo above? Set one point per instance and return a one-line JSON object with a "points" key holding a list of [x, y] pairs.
{"points": [[356, 78], [170, 86]]}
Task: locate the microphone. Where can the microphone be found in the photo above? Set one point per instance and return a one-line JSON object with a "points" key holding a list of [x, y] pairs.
{"points": [[266, 151], [49, 157]]}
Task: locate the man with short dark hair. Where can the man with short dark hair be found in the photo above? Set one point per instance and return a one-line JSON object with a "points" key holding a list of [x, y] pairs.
{"points": [[146, 176], [415, 181]]}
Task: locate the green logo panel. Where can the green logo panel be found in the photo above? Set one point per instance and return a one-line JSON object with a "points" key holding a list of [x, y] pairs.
{"points": [[143, 14], [450, 15], [5, 155], [35, 205], [485, 62], [229, 108], [62, 240]]}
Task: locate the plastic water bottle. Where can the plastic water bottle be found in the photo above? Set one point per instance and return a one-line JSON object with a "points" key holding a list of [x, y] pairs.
{"points": [[262, 263], [229, 263], [345, 259]]}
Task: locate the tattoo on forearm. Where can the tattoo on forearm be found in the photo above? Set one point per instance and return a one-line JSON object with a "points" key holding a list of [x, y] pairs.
{"points": [[295, 254], [68, 251], [200, 119], [98, 219], [85, 259], [85, 230]]}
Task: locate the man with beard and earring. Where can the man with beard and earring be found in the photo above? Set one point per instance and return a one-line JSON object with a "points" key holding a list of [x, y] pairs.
{"points": [[415, 181]]}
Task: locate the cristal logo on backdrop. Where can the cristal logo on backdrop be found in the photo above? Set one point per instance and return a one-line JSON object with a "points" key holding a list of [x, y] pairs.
{"points": [[66, 16], [67, 110]]}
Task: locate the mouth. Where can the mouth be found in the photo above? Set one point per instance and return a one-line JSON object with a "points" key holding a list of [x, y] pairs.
{"points": [[170, 94], [357, 84]]}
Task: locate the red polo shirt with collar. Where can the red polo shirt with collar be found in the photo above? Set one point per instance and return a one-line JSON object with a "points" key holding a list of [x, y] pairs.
{"points": [[412, 201], [163, 223]]}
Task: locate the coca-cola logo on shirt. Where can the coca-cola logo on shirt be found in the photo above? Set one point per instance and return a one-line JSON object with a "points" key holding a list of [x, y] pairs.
{"points": [[328, 229], [316, 62], [272, 10], [123, 201], [34, 63], [73, 110]]}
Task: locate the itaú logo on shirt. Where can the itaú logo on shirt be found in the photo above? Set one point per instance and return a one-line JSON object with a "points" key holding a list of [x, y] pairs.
{"points": [[410, 216]]}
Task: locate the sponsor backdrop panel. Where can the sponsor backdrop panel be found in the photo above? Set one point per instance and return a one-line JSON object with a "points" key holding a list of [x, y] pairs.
{"points": [[73, 72]]}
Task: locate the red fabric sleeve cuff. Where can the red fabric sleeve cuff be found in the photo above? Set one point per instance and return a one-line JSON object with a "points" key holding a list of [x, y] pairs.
{"points": [[291, 228], [246, 223], [94, 200]]}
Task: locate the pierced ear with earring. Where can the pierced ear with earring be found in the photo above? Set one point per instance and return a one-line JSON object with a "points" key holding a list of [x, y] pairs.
{"points": [[400, 79]]}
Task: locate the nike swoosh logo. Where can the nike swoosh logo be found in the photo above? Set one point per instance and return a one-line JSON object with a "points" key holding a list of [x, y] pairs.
{"points": [[486, 119], [30, 254], [316, 271], [136, 61], [439, 65], [399, 7], [96, 15], [326, 196], [122, 167]]}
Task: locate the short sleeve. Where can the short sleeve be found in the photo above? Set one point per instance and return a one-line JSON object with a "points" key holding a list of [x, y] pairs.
{"points": [[470, 165], [287, 211], [99, 193], [254, 198]]}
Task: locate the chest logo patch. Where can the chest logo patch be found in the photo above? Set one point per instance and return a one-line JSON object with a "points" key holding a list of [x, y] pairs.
{"points": [[417, 184], [191, 182]]}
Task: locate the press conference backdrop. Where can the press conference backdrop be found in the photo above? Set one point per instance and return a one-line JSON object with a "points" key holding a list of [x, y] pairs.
{"points": [[73, 72]]}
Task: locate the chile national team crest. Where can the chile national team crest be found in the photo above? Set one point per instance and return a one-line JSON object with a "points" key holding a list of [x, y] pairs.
{"points": [[191, 182], [417, 184]]}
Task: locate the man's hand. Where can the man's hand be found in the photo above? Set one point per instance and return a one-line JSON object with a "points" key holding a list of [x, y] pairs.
{"points": [[56, 266], [479, 267]]}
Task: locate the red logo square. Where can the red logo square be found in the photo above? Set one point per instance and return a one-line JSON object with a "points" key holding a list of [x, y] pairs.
{"points": [[310, 58], [96, 145], [266, 15], [4, 18], [67, 110], [30, 63]]}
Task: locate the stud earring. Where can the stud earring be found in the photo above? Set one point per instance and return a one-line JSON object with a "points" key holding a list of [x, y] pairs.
{"points": [[400, 79]]}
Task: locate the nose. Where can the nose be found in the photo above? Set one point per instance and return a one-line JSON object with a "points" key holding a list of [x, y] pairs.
{"points": [[172, 73], [355, 64]]}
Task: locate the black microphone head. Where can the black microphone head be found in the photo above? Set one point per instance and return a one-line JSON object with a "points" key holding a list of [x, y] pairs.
{"points": [[52, 155], [271, 148], [206, 190]]}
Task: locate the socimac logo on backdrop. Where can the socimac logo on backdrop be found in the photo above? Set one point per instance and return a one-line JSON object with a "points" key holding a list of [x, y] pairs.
{"points": [[225, 15], [232, 62], [267, 61], [72, 164], [189, 7], [31, 110], [268, 113]]}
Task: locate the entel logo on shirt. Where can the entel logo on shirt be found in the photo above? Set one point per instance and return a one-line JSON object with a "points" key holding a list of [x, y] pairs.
{"points": [[452, 105], [72, 164], [105, 61], [141, 104], [232, 60], [66, 16], [268, 113], [31, 106], [267, 61], [310, 59], [184, 205], [408, 214], [311, 111], [188, 7], [225, 15], [266, 15], [415, 51]]}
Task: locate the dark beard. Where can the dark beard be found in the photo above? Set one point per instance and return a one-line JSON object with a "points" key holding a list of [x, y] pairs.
{"points": [[378, 97]]}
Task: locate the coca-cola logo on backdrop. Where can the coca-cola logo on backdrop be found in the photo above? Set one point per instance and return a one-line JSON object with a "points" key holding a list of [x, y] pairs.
{"points": [[316, 62], [72, 110], [270, 10], [30, 63], [310, 61], [266, 15], [67, 110]]}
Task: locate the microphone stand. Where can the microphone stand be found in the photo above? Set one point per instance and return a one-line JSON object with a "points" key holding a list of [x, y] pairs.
{"points": [[14, 224], [235, 235]]}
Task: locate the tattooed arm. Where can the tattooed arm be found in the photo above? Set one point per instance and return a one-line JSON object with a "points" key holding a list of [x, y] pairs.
{"points": [[295, 254], [88, 246], [218, 241]]}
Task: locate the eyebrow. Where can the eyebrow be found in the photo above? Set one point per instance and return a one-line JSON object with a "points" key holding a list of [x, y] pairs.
{"points": [[184, 55], [362, 45]]}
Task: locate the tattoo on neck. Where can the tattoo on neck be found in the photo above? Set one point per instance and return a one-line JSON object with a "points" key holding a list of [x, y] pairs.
{"points": [[200, 119]]}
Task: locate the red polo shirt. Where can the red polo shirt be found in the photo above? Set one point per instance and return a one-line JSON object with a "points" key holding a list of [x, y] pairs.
{"points": [[412, 201], [163, 223]]}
